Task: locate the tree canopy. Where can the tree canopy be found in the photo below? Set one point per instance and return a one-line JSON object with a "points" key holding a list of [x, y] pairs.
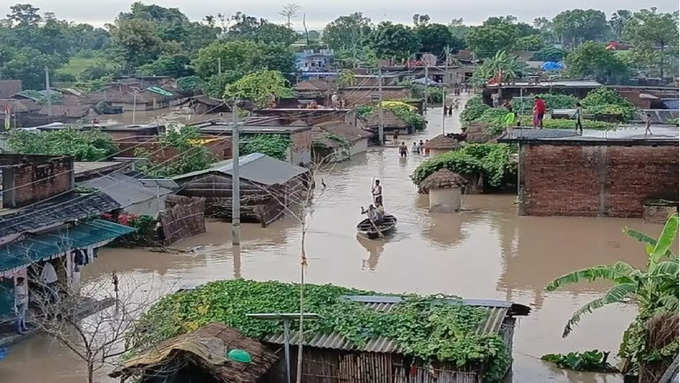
{"points": [[394, 41], [592, 59], [260, 87], [500, 33], [578, 25], [654, 37]]}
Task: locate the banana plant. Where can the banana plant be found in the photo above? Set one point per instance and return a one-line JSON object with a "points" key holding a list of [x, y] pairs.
{"points": [[653, 290]]}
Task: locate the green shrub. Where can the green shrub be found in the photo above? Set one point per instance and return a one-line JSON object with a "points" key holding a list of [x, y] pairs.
{"points": [[605, 102], [273, 145], [82, 145], [474, 108], [490, 160], [189, 85], [581, 361]]}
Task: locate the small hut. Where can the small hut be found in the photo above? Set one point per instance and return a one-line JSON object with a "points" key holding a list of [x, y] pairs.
{"points": [[444, 188], [441, 144], [202, 357], [268, 186]]}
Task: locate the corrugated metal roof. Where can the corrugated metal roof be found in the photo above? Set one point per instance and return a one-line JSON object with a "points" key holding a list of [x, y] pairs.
{"points": [[497, 312], [66, 208], [37, 247], [125, 190], [256, 167]]}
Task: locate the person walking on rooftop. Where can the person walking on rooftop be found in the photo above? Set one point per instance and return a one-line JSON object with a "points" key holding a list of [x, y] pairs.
{"points": [[648, 124], [539, 112], [579, 124]]}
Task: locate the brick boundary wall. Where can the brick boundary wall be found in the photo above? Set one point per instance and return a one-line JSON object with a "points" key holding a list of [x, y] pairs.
{"points": [[595, 180]]}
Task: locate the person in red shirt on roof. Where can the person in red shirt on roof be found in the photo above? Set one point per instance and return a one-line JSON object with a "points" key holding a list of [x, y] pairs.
{"points": [[539, 111]]}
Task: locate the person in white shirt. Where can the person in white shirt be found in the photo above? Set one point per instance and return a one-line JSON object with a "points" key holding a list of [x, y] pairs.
{"points": [[21, 304], [48, 277]]}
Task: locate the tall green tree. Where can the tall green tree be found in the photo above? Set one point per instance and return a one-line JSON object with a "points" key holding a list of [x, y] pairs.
{"points": [[618, 21], [261, 88], [578, 25], [24, 15], [347, 35], [435, 37], [654, 37], [260, 30], [394, 41], [502, 66], [497, 34], [592, 59]]}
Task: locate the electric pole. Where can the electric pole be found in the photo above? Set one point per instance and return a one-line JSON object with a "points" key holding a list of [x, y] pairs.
{"points": [[381, 119], [235, 180], [444, 88], [427, 82], [47, 89]]}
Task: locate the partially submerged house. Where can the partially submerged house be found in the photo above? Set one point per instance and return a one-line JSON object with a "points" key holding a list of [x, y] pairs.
{"points": [[442, 143], [43, 220], [134, 195], [297, 131], [391, 123], [202, 104], [201, 356], [595, 174], [364, 95], [336, 358], [338, 141], [268, 186]]}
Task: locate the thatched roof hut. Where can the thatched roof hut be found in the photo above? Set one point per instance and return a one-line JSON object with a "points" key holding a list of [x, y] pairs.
{"points": [[202, 353], [442, 143], [442, 179]]}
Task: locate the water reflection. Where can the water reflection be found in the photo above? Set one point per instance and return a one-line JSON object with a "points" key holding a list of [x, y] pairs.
{"points": [[374, 249]]}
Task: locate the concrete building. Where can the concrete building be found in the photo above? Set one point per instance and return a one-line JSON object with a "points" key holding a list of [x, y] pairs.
{"points": [[597, 174]]}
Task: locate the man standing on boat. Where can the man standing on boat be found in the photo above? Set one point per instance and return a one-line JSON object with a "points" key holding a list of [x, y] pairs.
{"points": [[376, 191]]}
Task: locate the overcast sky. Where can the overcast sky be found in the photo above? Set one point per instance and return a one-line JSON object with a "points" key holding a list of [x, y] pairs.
{"points": [[318, 13]]}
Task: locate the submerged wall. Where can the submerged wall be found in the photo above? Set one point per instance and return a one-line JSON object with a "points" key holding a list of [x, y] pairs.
{"points": [[595, 179]]}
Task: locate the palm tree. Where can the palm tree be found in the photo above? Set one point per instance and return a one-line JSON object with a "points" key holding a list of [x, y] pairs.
{"points": [[654, 290], [502, 67]]}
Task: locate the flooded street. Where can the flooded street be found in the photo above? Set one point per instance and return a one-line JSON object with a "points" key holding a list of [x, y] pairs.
{"points": [[485, 251]]}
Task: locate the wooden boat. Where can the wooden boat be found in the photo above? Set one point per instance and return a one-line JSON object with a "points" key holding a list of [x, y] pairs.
{"points": [[367, 229]]}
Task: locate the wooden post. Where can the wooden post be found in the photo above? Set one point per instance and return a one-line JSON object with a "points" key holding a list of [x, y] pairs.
{"points": [[381, 123], [235, 180]]}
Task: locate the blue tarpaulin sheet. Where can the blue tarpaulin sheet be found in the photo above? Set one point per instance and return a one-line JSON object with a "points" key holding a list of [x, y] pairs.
{"points": [[552, 66]]}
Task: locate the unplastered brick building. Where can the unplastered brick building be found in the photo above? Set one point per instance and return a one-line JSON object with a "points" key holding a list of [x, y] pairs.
{"points": [[601, 174]]}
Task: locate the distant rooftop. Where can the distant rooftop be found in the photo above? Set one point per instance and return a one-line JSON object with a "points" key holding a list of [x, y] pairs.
{"points": [[552, 84], [628, 135]]}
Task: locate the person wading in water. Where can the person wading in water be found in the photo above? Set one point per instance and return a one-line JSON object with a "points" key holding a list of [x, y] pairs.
{"points": [[403, 150]]}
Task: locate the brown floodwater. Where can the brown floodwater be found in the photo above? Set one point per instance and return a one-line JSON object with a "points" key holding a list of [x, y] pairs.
{"points": [[484, 251]]}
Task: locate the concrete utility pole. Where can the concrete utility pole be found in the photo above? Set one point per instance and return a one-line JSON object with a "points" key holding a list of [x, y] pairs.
{"points": [[235, 180], [444, 88], [381, 121], [427, 69], [134, 105], [49, 94]]}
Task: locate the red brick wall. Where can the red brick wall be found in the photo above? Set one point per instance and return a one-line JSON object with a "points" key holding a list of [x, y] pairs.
{"points": [[595, 180], [34, 181]]}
